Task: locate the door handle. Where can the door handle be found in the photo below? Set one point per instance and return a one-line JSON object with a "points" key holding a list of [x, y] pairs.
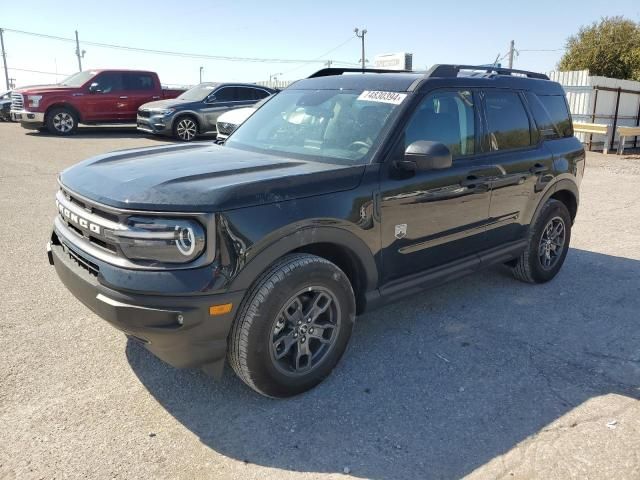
{"points": [[538, 168], [123, 98], [155, 97]]}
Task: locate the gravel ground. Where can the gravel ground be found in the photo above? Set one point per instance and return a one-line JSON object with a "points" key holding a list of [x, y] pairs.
{"points": [[484, 377]]}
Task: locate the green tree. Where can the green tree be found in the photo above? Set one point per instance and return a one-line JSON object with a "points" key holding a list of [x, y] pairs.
{"points": [[608, 48]]}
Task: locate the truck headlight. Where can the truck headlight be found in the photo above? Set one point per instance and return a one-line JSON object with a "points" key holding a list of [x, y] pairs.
{"points": [[164, 240], [34, 100]]}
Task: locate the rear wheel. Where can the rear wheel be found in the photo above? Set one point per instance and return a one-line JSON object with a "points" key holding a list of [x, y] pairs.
{"points": [[293, 326], [548, 245], [61, 121], [185, 128]]}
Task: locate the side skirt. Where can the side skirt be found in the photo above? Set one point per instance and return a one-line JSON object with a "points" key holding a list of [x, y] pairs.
{"points": [[434, 277]]}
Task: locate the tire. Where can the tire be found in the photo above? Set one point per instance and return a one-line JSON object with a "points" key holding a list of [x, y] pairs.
{"points": [[61, 121], [545, 254], [263, 331], [185, 128]]}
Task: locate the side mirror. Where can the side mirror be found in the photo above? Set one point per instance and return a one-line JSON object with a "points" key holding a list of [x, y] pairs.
{"points": [[210, 99], [425, 155], [94, 88]]}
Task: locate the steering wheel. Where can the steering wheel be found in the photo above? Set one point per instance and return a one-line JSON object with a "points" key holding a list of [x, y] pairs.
{"points": [[358, 144]]}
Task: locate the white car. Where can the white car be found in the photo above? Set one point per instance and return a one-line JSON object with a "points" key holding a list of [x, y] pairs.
{"points": [[229, 121]]}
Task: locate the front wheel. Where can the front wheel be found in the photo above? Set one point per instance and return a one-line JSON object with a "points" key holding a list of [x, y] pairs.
{"points": [[548, 244], [293, 326], [61, 121], [185, 129]]}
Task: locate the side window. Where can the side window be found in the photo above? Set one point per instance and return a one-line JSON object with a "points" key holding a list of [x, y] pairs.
{"points": [[446, 117], [138, 81], [259, 94], [551, 115], [507, 120], [226, 94], [245, 94], [109, 82]]}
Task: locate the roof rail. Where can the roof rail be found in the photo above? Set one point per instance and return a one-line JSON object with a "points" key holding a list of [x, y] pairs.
{"points": [[453, 70], [327, 72]]}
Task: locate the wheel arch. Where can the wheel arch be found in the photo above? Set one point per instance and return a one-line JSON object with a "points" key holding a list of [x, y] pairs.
{"points": [[189, 114], [63, 105], [338, 246], [565, 191]]}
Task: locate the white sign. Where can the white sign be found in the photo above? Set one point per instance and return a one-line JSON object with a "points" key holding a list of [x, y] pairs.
{"points": [[394, 98]]}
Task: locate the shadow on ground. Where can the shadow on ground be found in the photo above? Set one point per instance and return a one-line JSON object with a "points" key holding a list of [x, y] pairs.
{"points": [[435, 386]]}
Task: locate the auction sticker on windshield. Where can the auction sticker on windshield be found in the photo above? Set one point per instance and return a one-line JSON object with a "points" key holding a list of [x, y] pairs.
{"points": [[385, 97]]}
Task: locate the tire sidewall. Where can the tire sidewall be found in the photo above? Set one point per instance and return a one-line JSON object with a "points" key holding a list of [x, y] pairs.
{"points": [[267, 378], [552, 209], [53, 113]]}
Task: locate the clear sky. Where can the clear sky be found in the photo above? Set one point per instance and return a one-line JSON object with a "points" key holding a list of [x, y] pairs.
{"points": [[435, 32]]}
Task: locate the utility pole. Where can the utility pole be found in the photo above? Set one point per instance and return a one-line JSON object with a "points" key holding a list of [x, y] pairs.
{"points": [[201, 69], [4, 60], [78, 53], [328, 64], [361, 36], [512, 50]]}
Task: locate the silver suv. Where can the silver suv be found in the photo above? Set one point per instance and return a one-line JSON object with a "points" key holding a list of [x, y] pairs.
{"points": [[196, 110]]}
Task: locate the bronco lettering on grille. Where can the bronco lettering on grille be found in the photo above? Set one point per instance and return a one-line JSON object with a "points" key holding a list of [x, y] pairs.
{"points": [[76, 219]]}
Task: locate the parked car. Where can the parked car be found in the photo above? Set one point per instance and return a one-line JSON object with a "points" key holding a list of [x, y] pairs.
{"points": [[229, 121], [196, 110], [5, 106], [90, 97], [340, 194]]}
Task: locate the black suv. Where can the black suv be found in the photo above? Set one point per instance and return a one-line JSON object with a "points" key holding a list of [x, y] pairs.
{"points": [[345, 191]]}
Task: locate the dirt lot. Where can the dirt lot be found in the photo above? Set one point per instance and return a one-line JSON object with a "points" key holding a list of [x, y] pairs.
{"points": [[485, 377]]}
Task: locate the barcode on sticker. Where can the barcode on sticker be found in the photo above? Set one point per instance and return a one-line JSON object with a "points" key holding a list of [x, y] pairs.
{"points": [[385, 97]]}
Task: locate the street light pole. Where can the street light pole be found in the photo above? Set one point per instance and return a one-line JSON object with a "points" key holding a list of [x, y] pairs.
{"points": [[4, 60], [201, 70], [78, 53], [361, 36], [274, 78]]}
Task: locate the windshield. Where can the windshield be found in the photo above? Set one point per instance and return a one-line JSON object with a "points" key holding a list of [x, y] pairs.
{"points": [[199, 92], [338, 126], [78, 79]]}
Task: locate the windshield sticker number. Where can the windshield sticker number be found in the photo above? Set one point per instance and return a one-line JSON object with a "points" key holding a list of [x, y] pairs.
{"points": [[394, 98]]}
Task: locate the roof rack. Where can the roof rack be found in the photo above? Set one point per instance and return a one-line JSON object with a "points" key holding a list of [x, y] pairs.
{"points": [[327, 72], [453, 70]]}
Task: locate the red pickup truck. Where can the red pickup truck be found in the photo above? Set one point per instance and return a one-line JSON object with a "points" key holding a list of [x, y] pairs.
{"points": [[90, 97]]}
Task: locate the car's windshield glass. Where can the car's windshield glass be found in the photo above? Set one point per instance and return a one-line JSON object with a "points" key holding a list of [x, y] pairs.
{"points": [[338, 126], [199, 92], [78, 79]]}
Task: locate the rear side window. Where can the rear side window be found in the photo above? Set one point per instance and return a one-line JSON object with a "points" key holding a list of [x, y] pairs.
{"points": [[551, 115], [507, 120], [245, 94], [138, 81], [259, 94]]}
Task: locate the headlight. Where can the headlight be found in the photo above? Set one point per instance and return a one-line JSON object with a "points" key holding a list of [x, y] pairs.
{"points": [[167, 112], [164, 240], [34, 100]]}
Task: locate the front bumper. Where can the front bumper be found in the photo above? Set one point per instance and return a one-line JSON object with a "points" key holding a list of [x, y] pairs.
{"points": [[27, 119], [155, 124], [177, 329]]}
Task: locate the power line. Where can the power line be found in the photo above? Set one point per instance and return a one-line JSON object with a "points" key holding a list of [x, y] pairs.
{"points": [[324, 55], [167, 52], [38, 71]]}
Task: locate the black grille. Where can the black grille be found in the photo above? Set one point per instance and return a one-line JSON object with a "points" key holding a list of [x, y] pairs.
{"points": [[144, 113], [225, 128], [82, 262], [17, 102]]}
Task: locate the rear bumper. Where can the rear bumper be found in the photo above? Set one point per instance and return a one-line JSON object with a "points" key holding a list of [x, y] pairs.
{"points": [[29, 120], [177, 329]]}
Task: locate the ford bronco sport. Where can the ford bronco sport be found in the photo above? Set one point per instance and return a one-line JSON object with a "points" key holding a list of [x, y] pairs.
{"points": [[347, 190]]}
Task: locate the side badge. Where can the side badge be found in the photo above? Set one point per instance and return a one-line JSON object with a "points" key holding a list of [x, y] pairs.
{"points": [[401, 231]]}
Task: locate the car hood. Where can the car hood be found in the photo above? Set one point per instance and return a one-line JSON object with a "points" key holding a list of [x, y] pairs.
{"points": [[236, 116], [202, 178], [168, 103], [41, 89]]}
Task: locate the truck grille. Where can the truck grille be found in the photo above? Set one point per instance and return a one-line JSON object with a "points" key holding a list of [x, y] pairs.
{"points": [[144, 113], [17, 102], [225, 128]]}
